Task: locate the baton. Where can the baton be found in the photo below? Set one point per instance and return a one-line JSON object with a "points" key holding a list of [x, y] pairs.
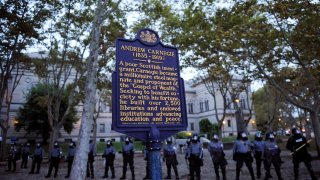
{"points": [[300, 147]]}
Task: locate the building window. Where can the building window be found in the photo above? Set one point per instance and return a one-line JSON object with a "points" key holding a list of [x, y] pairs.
{"points": [[243, 104], [201, 106], [229, 122], [191, 126], [206, 104], [190, 108], [228, 103], [102, 128]]}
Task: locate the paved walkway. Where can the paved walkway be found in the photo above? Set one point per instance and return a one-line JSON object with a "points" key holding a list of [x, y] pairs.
{"points": [[207, 171]]}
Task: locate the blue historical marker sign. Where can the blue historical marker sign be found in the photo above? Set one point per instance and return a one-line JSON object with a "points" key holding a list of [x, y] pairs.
{"points": [[148, 93]]}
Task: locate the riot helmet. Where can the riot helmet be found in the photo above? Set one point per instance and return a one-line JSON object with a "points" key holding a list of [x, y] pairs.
{"points": [[215, 137], [244, 136], [195, 138], [127, 140], [109, 143], [258, 136], [169, 140]]}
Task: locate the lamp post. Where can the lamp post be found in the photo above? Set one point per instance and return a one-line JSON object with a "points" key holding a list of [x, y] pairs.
{"points": [[239, 116]]}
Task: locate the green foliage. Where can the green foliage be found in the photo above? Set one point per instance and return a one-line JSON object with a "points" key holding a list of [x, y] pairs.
{"points": [[205, 126], [33, 116], [183, 135]]}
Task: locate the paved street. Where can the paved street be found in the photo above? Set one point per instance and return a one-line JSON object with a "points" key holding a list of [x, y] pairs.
{"points": [[207, 171]]}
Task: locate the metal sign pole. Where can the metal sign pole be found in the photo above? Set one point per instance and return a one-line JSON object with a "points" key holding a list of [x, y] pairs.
{"points": [[155, 154]]}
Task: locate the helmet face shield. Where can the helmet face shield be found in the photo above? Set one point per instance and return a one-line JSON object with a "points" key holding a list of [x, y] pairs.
{"points": [[215, 137], [258, 135], [271, 136], [243, 135]]}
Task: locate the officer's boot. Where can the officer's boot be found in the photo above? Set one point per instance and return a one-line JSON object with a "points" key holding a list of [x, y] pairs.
{"points": [[49, 172], [132, 174], [168, 173], [251, 173], [223, 170], [105, 173], [176, 172], [296, 171], [216, 169], [124, 172], [237, 174], [55, 172], [313, 176], [112, 172]]}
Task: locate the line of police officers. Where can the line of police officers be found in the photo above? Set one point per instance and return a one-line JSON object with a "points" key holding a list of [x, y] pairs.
{"points": [[266, 151]]}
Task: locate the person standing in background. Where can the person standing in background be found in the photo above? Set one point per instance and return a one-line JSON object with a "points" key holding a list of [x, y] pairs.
{"points": [[37, 158], [218, 156], [109, 154], [25, 155], [170, 157], [258, 147], [298, 144], [12, 157], [91, 154], [128, 155], [70, 157], [195, 154], [242, 154], [54, 160]]}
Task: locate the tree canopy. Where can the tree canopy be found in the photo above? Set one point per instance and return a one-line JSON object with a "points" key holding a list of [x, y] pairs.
{"points": [[33, 115]]}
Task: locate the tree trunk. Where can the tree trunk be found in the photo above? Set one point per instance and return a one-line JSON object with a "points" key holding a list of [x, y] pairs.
{"points": [[79, 166], [3, 144], [316, 129], [54, 135]]}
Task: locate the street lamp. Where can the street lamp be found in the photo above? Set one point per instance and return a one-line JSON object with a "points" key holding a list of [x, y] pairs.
{"points": [[239, 116]]}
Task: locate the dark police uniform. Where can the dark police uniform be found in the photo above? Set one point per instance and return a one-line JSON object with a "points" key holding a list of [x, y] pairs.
{"points": [[146, 158], [37, 159], [170, 158], [242, 153], [271, 156], [127, 154], [187, 156], [294, 142], [25, 155], [12, 157], [218, 157], [109, 155], [258, 147], [90, 169], [70, 157], [54, 160], [195, 154]]}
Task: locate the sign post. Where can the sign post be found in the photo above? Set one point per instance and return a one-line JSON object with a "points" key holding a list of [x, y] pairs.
{"points": [[148, 98]]}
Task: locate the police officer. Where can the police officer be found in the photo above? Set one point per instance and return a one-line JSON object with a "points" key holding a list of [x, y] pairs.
{"points": [[218, 156], [70, 157], [271, 155], [146, 158], [297, 144], [258, 147], [109, 155], [54, 160], [12, 157], [37, 158], [170, 157], [25, 155], [242, 153], [195, 154], [187, 151], [91, 154], [127, 154]]}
